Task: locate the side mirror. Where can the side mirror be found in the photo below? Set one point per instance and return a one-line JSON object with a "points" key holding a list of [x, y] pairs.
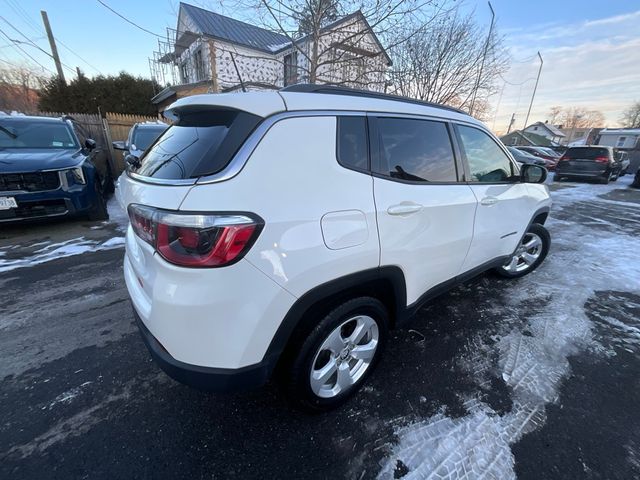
{"points": [[530, 173], [132, 161], [90, 144], [119, 145]]}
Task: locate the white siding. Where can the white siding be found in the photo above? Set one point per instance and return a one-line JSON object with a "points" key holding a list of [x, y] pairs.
{"points": [[342, 66], [613, 140]]}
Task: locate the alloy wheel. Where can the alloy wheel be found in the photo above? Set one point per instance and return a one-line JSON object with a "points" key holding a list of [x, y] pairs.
{"points": [[526, 254], [344, 356]]}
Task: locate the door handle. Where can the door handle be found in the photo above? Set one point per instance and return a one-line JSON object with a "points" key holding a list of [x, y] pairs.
{"points": [[405, 208], [488, 201]]}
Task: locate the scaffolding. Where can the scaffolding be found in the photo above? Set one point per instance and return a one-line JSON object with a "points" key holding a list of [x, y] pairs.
{"points": [[164, 65]]}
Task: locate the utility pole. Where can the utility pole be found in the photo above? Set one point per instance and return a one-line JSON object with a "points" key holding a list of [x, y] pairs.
{"points": [[54, 49], [534, 91], [513, 120], [484, 56]]}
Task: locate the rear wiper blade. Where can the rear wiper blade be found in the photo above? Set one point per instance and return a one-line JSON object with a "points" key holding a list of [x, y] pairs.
{"points": [[8, 132]]}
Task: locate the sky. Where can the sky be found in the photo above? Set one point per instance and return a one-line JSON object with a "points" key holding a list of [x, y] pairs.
{"points": [[590, 48]]}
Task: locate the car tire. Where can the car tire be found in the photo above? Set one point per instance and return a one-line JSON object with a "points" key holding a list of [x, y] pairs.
{"points": [[325, 355], [99, 209], [531, 252]]}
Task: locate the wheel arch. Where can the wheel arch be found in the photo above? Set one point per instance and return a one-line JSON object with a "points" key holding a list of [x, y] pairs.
{"points": [[386, 284]]}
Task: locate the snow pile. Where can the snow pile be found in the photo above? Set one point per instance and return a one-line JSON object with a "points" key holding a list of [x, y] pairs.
{"points": [[533, 357], [53, 251]]}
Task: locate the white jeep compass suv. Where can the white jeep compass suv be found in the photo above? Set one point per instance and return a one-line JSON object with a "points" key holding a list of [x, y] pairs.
{"points": [[289, 231]]}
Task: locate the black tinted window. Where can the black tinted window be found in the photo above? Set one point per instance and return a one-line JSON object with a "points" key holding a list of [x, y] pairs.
{"points": [[487, 161], [199, 143], [143, 137], [418, 150], [352, 142], [586, 153]]}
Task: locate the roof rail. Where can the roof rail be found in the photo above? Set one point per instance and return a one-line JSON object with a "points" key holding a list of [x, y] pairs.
{"points": [[354, 92]]}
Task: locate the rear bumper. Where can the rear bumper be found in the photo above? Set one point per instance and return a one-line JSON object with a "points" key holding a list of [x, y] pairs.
{"points": [[205, 378]]}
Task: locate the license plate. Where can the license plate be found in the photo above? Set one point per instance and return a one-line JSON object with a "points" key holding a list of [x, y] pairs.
{"points": [[7, 202]]}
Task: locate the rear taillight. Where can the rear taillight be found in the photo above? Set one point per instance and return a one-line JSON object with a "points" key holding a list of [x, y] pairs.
{"points": [[602, 159], [195, 239], [564, 158]]}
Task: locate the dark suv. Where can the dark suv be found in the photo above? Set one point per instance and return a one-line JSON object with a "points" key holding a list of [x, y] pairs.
{"points": [[50, 168], [590, 162], [141, 137]]}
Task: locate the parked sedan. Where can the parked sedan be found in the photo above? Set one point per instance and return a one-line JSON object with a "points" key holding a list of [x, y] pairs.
{"points": [[141, 137], [524, 157], [549, 156], [592, 162], [45, 171]]}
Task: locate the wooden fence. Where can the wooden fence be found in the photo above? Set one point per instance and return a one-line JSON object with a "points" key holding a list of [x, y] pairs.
{"points": [[114, 126]]}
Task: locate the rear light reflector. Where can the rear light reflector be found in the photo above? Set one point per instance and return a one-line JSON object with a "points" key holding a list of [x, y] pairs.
{"points": [[196, 239], [603, 159], [564, 158]]}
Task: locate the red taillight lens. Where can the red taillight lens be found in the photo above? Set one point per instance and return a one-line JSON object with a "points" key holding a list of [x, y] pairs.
{"points": [[563, 158], [195, 240], [602, 159]]}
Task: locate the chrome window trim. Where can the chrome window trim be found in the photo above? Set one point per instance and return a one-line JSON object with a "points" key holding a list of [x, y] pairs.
{"points": [[239, 160]]}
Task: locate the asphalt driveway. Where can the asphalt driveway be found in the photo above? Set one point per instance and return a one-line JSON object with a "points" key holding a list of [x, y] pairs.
{"points": [[537, 378]]}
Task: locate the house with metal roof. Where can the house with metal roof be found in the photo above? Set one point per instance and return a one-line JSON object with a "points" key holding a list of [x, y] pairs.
{"points": [[546, 130], [209, 52]]}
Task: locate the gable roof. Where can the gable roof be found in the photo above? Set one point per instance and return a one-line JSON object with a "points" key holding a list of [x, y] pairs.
{"points": [[244, 34], [553, 130], [234, 31], [531, 139]]}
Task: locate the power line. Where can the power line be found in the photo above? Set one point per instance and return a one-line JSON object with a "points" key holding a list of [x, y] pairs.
{"points": [[38, 29], [129, 21], [23, 51]]}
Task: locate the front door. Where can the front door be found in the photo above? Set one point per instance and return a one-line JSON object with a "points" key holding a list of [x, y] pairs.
{"points": [[504, 205]]}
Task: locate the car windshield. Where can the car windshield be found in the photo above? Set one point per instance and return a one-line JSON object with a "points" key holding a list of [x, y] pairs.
{"points": [[143, 137], [586, 153], [35, 134]]}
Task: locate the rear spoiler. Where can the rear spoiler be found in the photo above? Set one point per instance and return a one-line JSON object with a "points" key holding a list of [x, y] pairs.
{"points": [[261, 104]]}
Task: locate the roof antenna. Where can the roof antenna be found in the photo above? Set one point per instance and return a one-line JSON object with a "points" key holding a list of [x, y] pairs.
{"points": [[238, 72]]}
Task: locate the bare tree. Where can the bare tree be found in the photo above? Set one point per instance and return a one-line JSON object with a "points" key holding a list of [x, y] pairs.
{"points": [[331, 41], [19, 87], [577, 117], [554, 114], [631, 116], [441, 63]]}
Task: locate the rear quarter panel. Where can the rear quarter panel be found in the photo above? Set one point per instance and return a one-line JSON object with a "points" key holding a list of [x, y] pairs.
{"points": [[292, 180]]}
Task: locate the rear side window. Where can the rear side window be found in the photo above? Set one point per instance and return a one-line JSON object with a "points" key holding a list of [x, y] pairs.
{"points": [[487, 161], [415, 150], [353, 143], [200, 142], [586, 153]]}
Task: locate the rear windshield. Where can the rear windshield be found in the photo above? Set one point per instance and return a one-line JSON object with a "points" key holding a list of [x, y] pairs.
{"points": [[143, 137], [36, 134], [201, 142], [586, 153]]}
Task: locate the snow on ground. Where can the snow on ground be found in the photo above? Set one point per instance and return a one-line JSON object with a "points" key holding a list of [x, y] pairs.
{"points": [[532, 358], [29, 255]]}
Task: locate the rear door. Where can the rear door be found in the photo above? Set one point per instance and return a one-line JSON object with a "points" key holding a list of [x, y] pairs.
{"points": [[504, 204], [425, 215]]}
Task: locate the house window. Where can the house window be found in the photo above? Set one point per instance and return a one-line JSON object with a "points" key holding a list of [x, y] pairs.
{"points": [[621, 141], [291, 69], [184, 72], [199, 65]]}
